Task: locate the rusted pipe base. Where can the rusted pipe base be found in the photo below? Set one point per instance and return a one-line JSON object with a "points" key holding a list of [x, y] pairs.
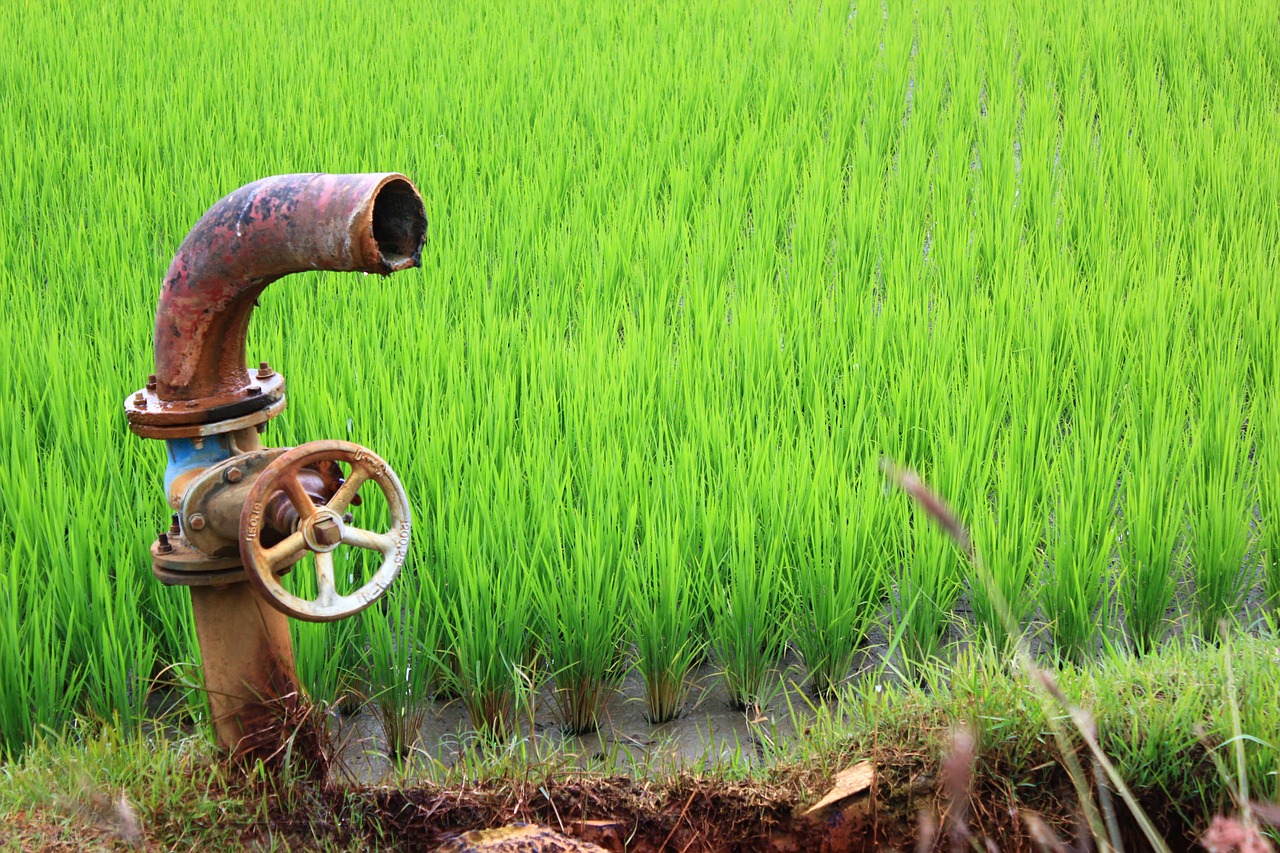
{"points": [[248, 663]]}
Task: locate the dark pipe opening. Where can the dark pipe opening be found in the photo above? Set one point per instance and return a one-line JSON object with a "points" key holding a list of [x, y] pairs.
{"points": [[399, 222]]}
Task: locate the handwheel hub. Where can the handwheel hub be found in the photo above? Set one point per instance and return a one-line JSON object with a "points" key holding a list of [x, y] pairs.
{"points": [[323, 531]]}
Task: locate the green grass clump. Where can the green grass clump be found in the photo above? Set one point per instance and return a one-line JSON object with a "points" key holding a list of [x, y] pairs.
{"points": [[402, 636], [1269, 499], [929, 582], [581, 600], [839, 582], [1074, 592], [666, 598], [1154, 513], [1011, 538], [484, 618], [748, 610], [1222, 495]]}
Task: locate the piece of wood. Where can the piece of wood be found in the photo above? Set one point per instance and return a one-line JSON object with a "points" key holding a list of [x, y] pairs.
{"points": [[849, 782]]}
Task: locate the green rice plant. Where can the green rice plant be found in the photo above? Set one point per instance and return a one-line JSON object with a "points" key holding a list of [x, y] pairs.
{"points": [[749, 608], [401, 633], [328, 660], [1269, 499], [710, 550], [1221, 493], [665, 597], [1010, 520], [929, 581], [485, 623], [39, 687], [580, 605], [1010, 537], [839, 582], [1074, 590], [1154, 515], [327, 655]]}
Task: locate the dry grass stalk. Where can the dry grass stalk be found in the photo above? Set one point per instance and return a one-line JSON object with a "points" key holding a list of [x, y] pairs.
{"points": [[910, 483]]}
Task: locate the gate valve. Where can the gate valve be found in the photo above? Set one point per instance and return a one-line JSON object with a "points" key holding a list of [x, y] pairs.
{"points": [[245, 514], [321, 529]]}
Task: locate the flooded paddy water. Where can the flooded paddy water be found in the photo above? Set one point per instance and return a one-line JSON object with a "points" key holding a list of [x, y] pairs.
{"points": [[710, 733]]}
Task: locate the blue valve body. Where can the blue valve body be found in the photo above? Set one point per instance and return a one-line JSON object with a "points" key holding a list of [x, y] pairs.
{"points": [[184, 456]]}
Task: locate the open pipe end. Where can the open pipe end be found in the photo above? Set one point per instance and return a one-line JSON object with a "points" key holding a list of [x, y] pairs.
{"points": [[373, 222], [398, 224]]}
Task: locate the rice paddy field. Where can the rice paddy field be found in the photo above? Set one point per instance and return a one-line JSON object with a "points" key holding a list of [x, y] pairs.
{"points": [[692, 272]]}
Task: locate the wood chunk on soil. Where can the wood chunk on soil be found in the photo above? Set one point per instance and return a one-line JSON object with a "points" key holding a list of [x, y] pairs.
{"points": [[517, 838]]}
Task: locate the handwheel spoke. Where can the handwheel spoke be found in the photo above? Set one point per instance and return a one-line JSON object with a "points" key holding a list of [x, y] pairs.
{"points": [[342, 498], [361, 538], [298, 496], [324, 578], [278, 553]]}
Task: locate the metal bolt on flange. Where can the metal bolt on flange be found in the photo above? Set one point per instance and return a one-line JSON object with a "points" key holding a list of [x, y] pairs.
{"points": [[264, 370], [174, 527], [164, 547], [140, 400], [151, 382], [233, 475], [196, 521]]}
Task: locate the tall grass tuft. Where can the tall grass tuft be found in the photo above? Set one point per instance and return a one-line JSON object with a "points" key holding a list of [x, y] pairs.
{"points": [[1269, 501], [665, 596], [749, 612], [581, 604], [1153, 513], [929, 581], [1011, 536], [329, 656], [839, 582], [1221, 491], [401, 636], [1074, 595], [485, 621]]}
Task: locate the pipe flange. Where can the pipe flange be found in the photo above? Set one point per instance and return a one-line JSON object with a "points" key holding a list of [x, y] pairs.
{"points": [[225, 577], [175, 562], [149, 413], [252, 419]]}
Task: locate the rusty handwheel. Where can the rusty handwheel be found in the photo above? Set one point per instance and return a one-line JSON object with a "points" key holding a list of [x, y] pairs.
{"points": [[321, 529]]}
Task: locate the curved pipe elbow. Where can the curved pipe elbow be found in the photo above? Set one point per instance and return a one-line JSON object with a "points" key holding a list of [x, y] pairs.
{"points": [[265, 230]]}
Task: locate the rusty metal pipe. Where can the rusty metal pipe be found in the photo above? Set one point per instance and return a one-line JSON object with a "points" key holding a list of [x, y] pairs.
{"points": [[257, 234], [204, 403], [247, 658]]}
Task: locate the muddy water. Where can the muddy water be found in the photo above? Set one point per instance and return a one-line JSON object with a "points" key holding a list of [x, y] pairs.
{"points": [[709, 733]]}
